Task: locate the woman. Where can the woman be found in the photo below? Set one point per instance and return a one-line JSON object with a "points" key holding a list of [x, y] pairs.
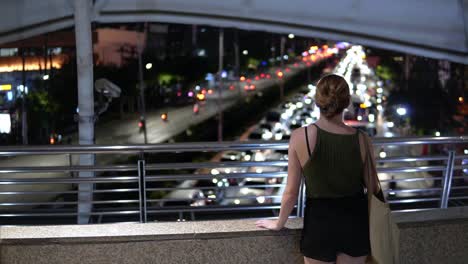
{"points": [[330, 155]]}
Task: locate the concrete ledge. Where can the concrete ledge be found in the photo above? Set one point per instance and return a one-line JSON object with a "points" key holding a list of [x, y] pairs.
{"points": [[438, 236], [232, 241]]}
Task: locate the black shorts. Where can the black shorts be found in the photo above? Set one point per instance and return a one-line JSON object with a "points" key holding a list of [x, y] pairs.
{"points": [[335, 225]]}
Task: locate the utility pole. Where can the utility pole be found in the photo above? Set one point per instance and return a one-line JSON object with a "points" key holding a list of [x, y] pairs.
{"points": [[309, 78], [237, 60], [142, 84], [220, 85], [24, 115], [283, 43], [84, 63]]}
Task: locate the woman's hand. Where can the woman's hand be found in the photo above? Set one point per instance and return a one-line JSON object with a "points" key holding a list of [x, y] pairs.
{"points": [[268, 224]]}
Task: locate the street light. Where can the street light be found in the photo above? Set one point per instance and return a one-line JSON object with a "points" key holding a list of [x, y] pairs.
{"points": [[149, 65], [401, 111], [245, 52], [45, 77], [291, 36]]}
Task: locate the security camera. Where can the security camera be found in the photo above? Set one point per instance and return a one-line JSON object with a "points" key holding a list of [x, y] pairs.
{"points": [[107, 88]]}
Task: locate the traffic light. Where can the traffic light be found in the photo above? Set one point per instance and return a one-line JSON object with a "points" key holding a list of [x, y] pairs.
{"points": [[142, 125]]}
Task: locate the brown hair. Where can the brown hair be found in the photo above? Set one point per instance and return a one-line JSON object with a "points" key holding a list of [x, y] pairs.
{"points": [[332, 95]]}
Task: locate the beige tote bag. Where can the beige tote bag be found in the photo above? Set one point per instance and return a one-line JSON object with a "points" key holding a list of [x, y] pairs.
{"points": [[384, 234]]}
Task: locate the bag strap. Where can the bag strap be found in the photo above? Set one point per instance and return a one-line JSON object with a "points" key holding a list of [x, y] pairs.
{"points": [[371, 171]]}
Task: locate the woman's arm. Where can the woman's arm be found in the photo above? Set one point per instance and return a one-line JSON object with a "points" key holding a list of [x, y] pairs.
{"points": [[291, 191]]}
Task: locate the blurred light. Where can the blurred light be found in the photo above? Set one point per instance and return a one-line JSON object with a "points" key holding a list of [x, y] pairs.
{"points": [[371, 118], [388, 134], [267, 135], [363, 105], [215, 180], [280, 74], [382, 154], [214, 172], [237, 201], [359, 118], [247, 157], [260, 199], [201, 53], [200, 96], [197, 87], [437, 134], [308, 101], [390, 124], [5, 123], [45, 77], [379, 100], [223, 74], [245, 52], [9, 95], [149, 65], [299, 105], [460, 99], [379, 90], [305, 54], [379, 107], [242, 78], [259, 156], [285, 57], [291, 36], [5, 87], [309, 120], [190, 94], [258, 170], [401, 111], [278, 136], [465, 151], [228, 170], [210, 91], [244, 191]]}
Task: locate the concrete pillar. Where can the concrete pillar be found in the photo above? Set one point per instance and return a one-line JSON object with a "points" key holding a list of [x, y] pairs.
{"points": [[84, 61]]}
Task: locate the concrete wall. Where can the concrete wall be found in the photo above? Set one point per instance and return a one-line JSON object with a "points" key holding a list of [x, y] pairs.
{"points": [[425, 237]]}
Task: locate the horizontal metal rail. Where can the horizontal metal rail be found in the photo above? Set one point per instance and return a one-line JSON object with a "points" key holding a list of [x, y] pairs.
{"points": [[208, 186], [203, 146]]}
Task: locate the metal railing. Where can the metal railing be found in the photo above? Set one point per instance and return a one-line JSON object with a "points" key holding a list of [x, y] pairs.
{"points": [[40, 184]]}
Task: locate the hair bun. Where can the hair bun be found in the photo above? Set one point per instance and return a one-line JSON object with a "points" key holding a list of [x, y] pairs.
{"points": [[332, 95]]}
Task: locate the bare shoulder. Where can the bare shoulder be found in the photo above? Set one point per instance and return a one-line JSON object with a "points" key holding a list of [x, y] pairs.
{"points": [[298, 135]]}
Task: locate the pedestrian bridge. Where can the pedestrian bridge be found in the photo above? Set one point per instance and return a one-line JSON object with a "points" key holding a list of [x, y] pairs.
{"points": [[430, 28]]}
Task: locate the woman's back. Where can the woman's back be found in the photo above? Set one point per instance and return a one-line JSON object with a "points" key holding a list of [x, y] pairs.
{"points": [[334, 167]]}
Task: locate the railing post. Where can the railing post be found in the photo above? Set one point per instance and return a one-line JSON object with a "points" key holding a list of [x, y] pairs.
{"points": [[142, 189], [447, 184], [299, 200], [303, 201]]}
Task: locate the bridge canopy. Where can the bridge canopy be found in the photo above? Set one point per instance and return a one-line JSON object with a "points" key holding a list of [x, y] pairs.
{"points": [[431, 28]]}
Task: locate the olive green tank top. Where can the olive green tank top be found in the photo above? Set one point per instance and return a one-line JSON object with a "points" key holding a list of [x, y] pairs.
{"points": [[335, 168]]}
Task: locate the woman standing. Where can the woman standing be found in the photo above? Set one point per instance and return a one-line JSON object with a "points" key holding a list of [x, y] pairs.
{"points": [[330, 155]]}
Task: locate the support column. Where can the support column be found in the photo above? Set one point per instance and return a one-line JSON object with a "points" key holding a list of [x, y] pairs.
{"points": [[84, 61]]}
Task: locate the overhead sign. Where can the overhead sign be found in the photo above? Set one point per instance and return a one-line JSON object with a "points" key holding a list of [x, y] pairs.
{"points": [[5, 87]]}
